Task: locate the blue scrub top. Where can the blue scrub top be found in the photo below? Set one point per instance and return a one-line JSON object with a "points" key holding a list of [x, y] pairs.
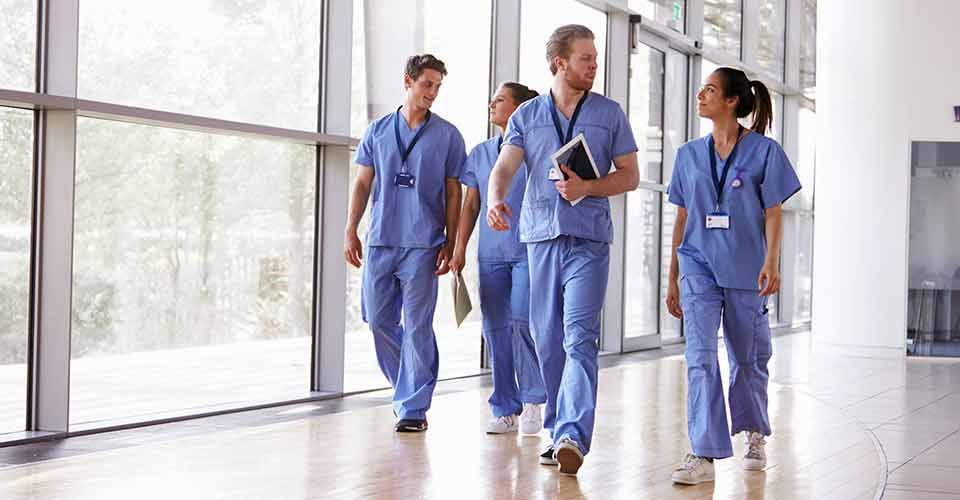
{"points": [[412, 217], [545, 215], [495, 246], [733, 256]]}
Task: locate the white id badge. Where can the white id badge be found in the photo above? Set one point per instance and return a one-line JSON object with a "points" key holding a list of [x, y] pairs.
{"points": [[554, 174], [718, 220]]}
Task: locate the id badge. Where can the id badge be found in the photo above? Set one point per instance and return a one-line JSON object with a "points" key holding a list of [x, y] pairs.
{"points": [[404, 180], [554, 174], [718, 220]]}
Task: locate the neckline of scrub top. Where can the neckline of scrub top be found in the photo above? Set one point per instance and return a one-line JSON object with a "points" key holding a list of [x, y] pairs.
{"points": [[405, 152], [573, 118], [499, 143], [718, 183]]}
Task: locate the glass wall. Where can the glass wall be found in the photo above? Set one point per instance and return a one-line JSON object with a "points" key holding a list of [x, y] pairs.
{"points": [[808, 48], [192, 262], [378, 90], [18, 28], [773, 24], [538, 19], [16, 152], [722, 25], [668, 12], [256, 62], [642, 229]]}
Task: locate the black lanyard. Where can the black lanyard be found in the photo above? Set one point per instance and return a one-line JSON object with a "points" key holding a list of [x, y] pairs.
{"points": [[718, 183], [499, 143], [405, 151], [573, 118]]}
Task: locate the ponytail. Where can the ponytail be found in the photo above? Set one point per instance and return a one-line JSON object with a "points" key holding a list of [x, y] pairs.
{"points": [[753, 98], [763, 107]]}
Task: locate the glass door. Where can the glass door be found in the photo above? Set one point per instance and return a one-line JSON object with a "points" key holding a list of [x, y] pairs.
{"points": [[642, 232]]}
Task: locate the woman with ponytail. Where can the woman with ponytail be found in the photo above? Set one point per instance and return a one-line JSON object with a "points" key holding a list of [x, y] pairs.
{"points": [[729, 187], [518, 389]]}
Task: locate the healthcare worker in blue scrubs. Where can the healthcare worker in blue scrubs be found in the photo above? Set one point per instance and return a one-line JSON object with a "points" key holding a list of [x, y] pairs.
{"points": [[504, 282], [410, 161], [568, 245], [728, 187]]}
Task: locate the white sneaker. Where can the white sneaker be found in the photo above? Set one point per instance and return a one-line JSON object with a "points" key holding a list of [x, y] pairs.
{"points": [[756, 457], [502, 425], [693, 470], [569, 456], [531, 422]]}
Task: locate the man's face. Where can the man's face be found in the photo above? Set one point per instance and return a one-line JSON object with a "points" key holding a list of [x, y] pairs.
{"points": [[422, 91], [580, 69]]}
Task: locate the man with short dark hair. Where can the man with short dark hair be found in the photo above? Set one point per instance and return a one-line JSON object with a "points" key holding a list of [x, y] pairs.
{"points": [[410, 159], [566, 224]]}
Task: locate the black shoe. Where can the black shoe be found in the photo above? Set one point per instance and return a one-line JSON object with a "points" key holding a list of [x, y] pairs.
{"points": [[547, 458], [409, 425]]}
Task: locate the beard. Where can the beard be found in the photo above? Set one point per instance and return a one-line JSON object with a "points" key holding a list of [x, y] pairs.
{"points": [[581, 84]]}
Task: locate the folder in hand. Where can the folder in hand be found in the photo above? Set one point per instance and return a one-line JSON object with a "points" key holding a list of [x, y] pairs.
{"points": [[461, 299], [576, 156]]}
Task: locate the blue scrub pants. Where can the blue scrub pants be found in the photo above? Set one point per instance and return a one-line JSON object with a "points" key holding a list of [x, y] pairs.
{"points": [[569, 277], [746, 333], [394, 280], [505, 304]]}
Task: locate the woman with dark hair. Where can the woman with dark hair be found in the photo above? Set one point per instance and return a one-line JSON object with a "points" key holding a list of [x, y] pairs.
{"points": [[729, 187], [504, 282]]}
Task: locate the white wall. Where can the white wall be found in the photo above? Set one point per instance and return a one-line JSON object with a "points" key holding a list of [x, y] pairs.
{"points": [[887, 74]]}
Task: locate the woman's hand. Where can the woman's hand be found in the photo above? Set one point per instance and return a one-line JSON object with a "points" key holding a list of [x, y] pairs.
{"points": [[769, 280], [673, 299], [458, 261]]}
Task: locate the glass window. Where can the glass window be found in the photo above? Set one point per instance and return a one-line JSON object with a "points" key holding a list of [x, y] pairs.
{"points": [[432, 26], [18, 35], [642, 264], [803, 270], [378, 65], [668, 12], [773, 19], [706, 68], [675, 120], [722, 25], [239, 60], [192, 282], [806, 158], [646, 109], [538, 20], [808, 48], [16, 153], [776, 125]]}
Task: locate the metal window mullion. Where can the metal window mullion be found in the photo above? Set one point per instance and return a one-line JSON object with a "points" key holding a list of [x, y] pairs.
{"points": [[52, 239], [332, 187]]}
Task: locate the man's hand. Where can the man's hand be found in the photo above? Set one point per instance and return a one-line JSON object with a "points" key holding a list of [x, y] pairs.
{"points": [[458, 260], [443, 259], [574, 187], [673, 300], [498, 216], [352, 249]]}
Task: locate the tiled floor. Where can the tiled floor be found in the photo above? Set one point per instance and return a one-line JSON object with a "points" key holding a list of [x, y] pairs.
{"points": [[835, 416]]}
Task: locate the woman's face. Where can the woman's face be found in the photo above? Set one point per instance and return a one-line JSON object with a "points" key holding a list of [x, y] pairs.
{"points": [[502, 106], [711, 102]]}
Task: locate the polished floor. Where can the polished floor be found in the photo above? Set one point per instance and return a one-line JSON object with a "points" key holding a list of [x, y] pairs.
{"points": [[842, 422]]}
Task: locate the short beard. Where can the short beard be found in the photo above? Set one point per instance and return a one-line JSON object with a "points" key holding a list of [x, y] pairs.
{"points": [[581, 85]]}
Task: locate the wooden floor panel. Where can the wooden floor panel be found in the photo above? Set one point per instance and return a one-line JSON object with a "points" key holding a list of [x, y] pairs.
{"points": [[816, 451]]}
